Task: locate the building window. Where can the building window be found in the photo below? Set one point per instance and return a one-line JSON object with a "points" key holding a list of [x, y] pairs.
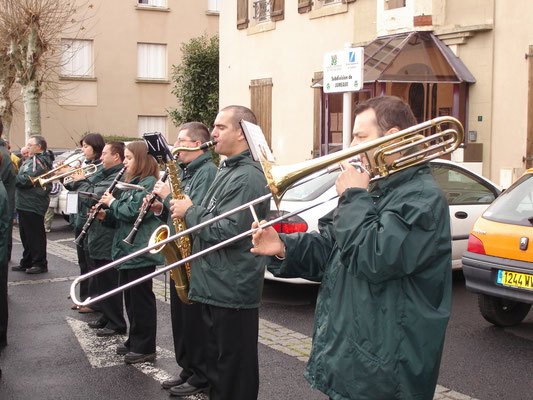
{"points": [[391, 4], [151, 61], [147, 124], [77, 58], [153, 3], [212, 6]]}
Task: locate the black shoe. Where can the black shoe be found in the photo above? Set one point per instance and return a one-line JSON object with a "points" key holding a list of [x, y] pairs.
{"points": [[36, 270], [172, 382], [108, 332], [97, 324], [134, 358], [19, 268], [185, 389], [122, 350]]}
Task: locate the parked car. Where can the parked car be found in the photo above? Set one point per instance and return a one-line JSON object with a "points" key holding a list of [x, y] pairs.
{"points": [[499, 262], [468, 195]]}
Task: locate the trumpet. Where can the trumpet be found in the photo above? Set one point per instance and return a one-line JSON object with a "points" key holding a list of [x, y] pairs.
{"points": [[386, 155], [49, 177]]}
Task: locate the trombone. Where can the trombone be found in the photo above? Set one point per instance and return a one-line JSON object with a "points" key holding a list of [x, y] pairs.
{"points": [[391, 153], [50, 177]]}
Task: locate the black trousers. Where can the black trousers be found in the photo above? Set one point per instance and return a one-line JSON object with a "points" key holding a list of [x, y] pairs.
{"points": [[84, 268], [111, 307], [190, 339], [141, 310], [33, 237], [232, 362], [3, 304]]}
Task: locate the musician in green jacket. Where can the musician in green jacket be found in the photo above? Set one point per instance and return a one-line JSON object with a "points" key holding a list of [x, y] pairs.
{"points": [[31, 202], [229, 282], [142, 170], [383, 258], [99, 239], [196, 174]]}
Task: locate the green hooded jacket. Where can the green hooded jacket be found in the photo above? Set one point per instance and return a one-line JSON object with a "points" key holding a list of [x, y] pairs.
{"points": [[8, 176], [384, 260], [28, 197], [121, 214], [231, 277], [99, 238]]}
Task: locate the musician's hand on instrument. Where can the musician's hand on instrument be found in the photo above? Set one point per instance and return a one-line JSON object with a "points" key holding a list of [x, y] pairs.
{"points": [[266, 242], [180, 207], [351, 177], [77, 177], [106, 198], [161, 189], [100, 215]]}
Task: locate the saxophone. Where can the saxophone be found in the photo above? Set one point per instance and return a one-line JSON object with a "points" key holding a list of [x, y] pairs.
{"points": [[180, 248]]}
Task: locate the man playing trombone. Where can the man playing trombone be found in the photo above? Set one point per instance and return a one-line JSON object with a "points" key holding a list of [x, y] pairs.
{"points": [[188, 330], [383, 257], [228, 282]]}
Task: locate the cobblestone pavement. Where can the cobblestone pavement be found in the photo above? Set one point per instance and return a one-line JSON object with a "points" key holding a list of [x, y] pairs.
{"points": [[272, 335]]}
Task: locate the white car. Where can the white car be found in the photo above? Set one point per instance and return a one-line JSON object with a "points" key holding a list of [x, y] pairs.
{"points": [[468, 195]]}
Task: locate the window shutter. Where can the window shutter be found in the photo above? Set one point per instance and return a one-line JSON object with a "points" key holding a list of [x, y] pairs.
{"points": [[261, 105], [304, 6], [278, 10], [242, 14]]}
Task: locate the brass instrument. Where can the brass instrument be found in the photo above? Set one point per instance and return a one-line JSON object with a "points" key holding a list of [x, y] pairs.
{"points": [[181, 248], [50, 177], [391, 153]]}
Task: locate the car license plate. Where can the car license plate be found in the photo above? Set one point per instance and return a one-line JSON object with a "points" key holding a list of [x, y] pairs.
{"points": [[515, 279]]}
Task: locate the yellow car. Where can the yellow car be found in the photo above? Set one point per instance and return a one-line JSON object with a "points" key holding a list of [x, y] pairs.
{"points": [[498, 263]]}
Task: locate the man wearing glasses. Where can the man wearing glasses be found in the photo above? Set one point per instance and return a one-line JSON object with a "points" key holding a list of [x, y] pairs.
{"points": [[31, 203]]}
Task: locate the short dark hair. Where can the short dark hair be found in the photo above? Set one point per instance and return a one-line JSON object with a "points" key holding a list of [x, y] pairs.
{"points": [[240, 113], [391, 112], [117, 148], [96, 141], [41, 141], [197, 131], [145, 164]]}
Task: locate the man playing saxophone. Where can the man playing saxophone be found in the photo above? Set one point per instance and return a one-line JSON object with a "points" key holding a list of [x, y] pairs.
{"points": [[228, 283], [188, 330], [383, 257]]}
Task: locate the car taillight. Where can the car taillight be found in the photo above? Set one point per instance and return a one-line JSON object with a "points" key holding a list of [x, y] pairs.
{"points": [[475, 245], [289, 225]]}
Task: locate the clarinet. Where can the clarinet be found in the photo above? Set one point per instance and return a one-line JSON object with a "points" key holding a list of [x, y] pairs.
{"points": [[94, 213], [131, 236]]}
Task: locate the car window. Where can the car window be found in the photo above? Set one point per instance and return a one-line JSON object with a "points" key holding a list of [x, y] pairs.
{"points": [[312, 187], [515, 205], [461, 187]]}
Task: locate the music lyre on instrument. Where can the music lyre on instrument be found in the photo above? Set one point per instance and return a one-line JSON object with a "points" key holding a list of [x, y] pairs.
{"points": [[391, 153]]}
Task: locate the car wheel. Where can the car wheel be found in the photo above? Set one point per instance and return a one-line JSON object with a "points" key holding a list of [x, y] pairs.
{"points": [[502, 312]]}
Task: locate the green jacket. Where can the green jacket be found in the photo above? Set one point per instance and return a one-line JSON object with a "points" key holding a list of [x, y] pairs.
{"points": [[84, 205], [122, 213], [196, 177], [231, 277], [384, 260], [8, 176], [28, 197], [5, 232], [99, 238]]}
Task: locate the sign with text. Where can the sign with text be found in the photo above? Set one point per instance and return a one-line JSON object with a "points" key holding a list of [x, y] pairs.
{"points": [[343, 70]]}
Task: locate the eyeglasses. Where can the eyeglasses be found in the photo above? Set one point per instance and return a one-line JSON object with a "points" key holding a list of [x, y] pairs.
{"points": [[185, 140]]}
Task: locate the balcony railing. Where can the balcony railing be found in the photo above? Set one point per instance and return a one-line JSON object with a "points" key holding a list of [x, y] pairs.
{"points": [[262, 10]]}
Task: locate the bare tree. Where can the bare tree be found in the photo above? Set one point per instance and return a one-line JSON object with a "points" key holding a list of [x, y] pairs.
{"points": [[32, 29], [7, 80]]}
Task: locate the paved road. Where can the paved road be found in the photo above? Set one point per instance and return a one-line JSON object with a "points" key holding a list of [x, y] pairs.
{"points": [[52, 354]]}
